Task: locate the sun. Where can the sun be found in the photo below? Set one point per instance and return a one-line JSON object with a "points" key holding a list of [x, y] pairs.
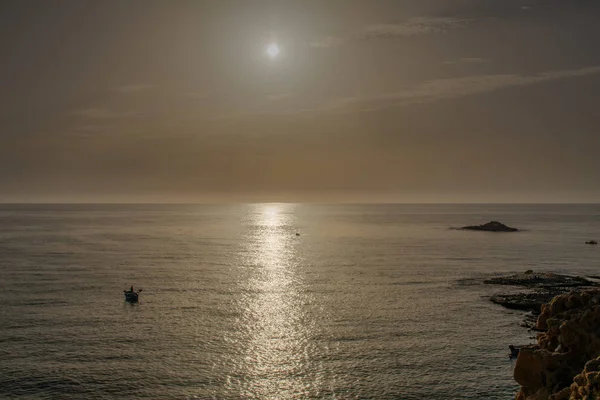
{"points": [[273, 50]]}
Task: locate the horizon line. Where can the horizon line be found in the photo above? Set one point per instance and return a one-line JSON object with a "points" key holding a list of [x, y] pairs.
{"points": [[292, 202]]}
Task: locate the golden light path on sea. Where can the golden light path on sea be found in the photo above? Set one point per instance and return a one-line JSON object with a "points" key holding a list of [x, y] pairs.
{"points": [[277, 352]]}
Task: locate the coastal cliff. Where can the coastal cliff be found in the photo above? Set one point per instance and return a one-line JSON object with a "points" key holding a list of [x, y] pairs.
{"points": [[565, 363]]}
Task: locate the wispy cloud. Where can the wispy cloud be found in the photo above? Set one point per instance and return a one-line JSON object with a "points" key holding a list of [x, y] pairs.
{"points": [[126, 89], [91, 130], [450, 88], [424, 93], [326, 42], [102, 113], [278, 97], [474, 60], [413, 27], [198, 95], [467, 60]]}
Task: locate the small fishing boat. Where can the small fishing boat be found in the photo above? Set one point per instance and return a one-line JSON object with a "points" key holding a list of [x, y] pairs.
{"points": [[131, 296], [591, 242], [514, 351]]}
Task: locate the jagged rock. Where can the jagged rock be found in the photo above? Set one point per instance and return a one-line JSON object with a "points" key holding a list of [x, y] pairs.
{"points": [[492, 226], [523, 301], [565, 362], [541, 287], [586, 385], [542, 280]]}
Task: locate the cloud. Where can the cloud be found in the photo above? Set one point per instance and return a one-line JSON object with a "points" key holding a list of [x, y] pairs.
{"points": [[99, 113], [449, 88], [467, 60], [326, 42], [277, 97], [198, 95], [91, 130], [413, 27], [102, 113], [424, 93], [126, 89], [473, 60]]}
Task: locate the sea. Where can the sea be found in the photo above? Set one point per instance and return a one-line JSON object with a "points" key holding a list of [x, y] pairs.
{"points": [[271, 301]]}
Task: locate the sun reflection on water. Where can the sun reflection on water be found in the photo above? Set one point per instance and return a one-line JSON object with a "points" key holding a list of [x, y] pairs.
{"points": [[277, 346]]}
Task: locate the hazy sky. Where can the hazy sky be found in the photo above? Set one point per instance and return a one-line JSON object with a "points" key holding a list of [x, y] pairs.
{"points": [[391, 100]]}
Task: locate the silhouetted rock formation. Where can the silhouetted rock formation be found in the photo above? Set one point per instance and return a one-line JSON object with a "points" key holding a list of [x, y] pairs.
{"points": [[542, 288], [492, 226], [565, 363], [540, 280]]}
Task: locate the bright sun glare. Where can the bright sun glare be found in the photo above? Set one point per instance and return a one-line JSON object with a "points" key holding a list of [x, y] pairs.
{"points": [[273, 50]]}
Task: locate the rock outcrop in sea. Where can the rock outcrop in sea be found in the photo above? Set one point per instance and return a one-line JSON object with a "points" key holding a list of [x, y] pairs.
{"points": [[492, 226], [565, 362], [538, 288]]}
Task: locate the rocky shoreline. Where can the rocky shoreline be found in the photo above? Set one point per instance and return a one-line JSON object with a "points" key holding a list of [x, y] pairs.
{"points": [[538, 288], [564, 364]]}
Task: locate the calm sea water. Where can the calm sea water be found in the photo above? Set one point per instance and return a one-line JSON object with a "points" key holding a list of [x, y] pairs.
{"points": [[369, 302]]}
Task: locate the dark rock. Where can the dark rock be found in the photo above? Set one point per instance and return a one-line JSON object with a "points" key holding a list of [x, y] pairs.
{"points": [[565, 362], [492, 226], [523, 301], [539, 288], [540, 280]]}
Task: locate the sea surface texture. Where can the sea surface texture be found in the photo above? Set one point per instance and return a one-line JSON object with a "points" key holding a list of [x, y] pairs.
{"points": [[367, 302]]}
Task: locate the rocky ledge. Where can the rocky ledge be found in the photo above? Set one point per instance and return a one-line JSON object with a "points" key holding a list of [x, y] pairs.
{"points": [[539, 288], [565, 362], [492, 226]]}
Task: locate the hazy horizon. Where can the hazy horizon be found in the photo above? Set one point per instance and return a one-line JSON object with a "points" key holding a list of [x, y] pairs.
{"points": [[351, 200], [437, 101]]}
